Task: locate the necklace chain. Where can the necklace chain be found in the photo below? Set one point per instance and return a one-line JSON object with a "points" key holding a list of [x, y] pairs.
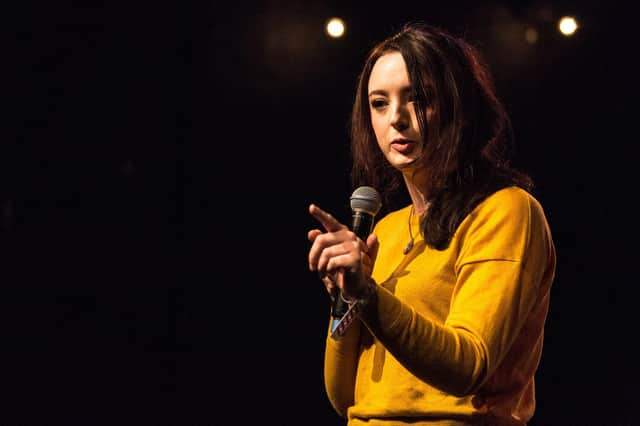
{"points": [[409, 245]]}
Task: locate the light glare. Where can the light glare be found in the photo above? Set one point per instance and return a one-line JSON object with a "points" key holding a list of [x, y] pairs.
{"points": [[335, 27], [567, 25]]}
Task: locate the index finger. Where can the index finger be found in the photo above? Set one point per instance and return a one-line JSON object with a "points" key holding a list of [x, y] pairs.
{"points": [[328, 222]]}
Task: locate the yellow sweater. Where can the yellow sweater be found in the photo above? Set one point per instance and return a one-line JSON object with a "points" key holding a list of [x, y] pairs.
{"points": [[456, 336]]}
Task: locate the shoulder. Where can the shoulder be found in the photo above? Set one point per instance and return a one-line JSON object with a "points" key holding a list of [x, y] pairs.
{"points": [[507, 213], [512, 202], [506, 224], [512, 196]]}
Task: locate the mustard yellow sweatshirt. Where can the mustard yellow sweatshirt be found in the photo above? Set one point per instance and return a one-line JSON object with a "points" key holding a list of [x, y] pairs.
{"points": [[455, 336]]}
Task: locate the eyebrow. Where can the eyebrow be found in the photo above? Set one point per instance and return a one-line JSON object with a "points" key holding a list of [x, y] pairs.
{"points": [[384, 92], [378, 92]]}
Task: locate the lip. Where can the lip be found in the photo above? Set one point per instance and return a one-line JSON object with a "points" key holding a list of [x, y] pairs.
{"points": [[403, 146]]}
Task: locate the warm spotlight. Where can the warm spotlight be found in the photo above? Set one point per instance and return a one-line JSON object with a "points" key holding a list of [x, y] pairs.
{"points": [[567, 25], [335, 27]]}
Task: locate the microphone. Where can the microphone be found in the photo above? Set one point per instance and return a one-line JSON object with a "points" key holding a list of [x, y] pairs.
{"points": [[365, 204]]}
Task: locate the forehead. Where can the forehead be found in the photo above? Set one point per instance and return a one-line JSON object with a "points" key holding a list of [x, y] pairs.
{"points": [[389, 70]]}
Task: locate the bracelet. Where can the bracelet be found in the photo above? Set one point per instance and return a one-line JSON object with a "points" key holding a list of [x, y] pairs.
{"points": [[362, 300]]}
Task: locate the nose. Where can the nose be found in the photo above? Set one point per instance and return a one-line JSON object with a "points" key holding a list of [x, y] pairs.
{"points": [[400, 117]]}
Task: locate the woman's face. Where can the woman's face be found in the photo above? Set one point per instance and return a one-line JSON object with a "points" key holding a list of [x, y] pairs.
{"points": [[393, 116]]}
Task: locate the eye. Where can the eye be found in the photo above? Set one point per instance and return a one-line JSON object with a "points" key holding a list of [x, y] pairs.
{"points": [[411, 97], [378, 103]]}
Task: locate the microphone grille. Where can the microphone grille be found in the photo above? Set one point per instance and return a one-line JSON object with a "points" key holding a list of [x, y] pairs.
{"points": [[367, 199]]}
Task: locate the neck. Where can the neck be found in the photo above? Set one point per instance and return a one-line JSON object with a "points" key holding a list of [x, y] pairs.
{"points": [[418, 199]]}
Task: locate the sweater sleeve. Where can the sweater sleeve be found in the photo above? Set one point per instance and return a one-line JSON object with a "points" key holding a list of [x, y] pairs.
{"points": [[340, 364], [503, 252]]}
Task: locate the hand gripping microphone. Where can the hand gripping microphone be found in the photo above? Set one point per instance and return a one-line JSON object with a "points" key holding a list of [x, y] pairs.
{"points": [[365, 204]]}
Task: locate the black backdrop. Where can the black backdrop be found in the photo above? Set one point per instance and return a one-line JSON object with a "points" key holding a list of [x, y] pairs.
{"points": [[159, 163]]}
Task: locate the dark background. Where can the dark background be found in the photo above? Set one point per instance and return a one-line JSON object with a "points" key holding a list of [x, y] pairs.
{"points": [[159, 163]]}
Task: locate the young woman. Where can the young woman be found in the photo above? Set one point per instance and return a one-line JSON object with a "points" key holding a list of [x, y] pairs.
{"points": [[452, 289]]}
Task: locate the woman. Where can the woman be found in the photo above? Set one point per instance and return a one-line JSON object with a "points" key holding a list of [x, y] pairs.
{"points": [[452, 290]]}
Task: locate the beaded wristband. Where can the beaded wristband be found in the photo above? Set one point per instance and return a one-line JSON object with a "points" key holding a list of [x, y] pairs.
{"points": [[364, 299], [339, 327]]}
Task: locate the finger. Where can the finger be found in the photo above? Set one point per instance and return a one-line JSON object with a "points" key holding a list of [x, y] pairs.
{"points": [[328, 222], [313, 234], [370, 255], [329, 283], [313, 251], [347, 261], [372, 246], [326, 245], [326, 261], [321, 242]]}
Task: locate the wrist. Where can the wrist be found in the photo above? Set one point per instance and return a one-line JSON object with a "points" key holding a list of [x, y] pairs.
{"points": [[364, 297]]}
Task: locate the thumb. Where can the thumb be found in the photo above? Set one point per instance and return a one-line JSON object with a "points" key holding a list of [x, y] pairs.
{"points": [[372, 246]]}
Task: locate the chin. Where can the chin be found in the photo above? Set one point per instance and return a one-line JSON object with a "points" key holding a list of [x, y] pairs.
{"points": [[405, 161], [405, 165]]}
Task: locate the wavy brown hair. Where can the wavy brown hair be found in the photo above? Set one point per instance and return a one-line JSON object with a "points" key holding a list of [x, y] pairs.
{"points": [[468, 141]]}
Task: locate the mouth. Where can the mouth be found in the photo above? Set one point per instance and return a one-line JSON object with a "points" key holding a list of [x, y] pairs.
{"points": [[403, 146]]}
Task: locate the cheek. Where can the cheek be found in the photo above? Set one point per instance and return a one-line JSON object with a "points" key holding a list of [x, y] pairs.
{"points": [[378, 127]]}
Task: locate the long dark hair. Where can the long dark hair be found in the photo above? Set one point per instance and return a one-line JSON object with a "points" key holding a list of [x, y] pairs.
{"points": [[468, 141]]}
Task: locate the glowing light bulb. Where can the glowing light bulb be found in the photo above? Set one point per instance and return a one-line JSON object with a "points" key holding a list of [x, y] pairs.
{"points": [[335, 27], [567, 25]]}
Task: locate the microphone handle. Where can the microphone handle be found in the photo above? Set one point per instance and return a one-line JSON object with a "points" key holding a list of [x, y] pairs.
{"points": [[340, 307], [362, 225]]}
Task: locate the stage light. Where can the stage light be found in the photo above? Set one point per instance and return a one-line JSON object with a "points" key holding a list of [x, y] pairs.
{"points": [[335, 28], [567, 25]]}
